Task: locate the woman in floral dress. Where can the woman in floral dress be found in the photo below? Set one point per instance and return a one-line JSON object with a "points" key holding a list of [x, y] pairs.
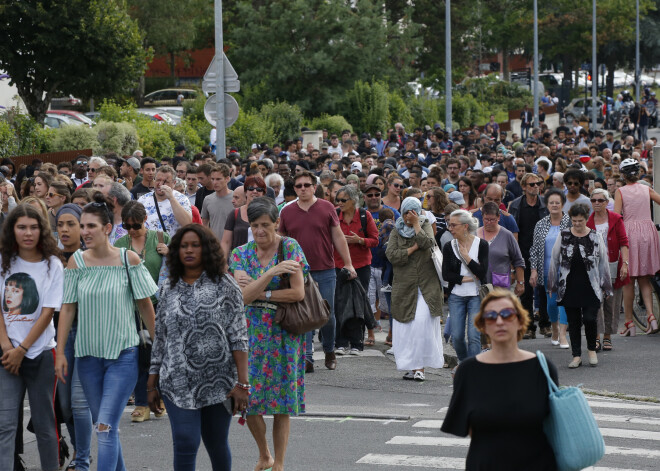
{"points": [[276, 363]]}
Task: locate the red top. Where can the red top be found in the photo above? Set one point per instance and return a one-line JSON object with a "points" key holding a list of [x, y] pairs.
{"points": [[313, 231], [195, 214], [360, 254], [616, 238]]}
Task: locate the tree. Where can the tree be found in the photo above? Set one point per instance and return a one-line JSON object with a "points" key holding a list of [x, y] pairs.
{"points": [[308, 52], [81, 47]]}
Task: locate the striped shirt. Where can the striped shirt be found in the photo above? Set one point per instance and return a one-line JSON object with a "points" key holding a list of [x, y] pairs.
{"points": [[106, 319]]}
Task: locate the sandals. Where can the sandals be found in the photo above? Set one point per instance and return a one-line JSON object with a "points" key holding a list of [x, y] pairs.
{"points": [[598, 345], [388, 341], [607, 345], [140, 414], [369, 342]]}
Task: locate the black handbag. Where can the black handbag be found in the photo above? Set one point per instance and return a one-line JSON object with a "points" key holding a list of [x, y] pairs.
{"points": [[313, 312], [144, 347]]}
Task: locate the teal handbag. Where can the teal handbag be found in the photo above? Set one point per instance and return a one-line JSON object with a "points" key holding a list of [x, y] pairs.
{"points": [[571, 428]]}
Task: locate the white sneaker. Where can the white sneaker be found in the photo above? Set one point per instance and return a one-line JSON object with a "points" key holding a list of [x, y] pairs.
{"points": [[354, 351], [340, 351], [386, 289], [390, 351]]}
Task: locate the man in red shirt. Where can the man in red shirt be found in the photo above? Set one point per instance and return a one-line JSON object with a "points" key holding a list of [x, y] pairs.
{"points": [[314, 224]]}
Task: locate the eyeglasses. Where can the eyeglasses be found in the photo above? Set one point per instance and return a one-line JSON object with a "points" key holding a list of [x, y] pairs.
{"points": [[255, 188], [534, 183], [301, 185], [397, 185], [506, 314], [92, 169], [491, 220], [50, 195], [373, 195], [598, 200], [341, 200], [572, 183], [128, 227], [452, 225], [81, 162]]}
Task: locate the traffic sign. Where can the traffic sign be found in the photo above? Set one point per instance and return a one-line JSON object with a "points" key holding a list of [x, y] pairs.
{"points": [[232, 84], [231, 110]]}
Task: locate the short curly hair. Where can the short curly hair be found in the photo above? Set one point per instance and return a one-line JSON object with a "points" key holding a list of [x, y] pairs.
{"points": [[213, 257]]}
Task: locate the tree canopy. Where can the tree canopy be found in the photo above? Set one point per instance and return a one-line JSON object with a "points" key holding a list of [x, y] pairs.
{"points": [[82, 47]]}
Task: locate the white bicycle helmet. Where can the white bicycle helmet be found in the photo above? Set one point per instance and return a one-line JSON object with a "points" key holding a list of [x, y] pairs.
{"points": [[629, 167]]}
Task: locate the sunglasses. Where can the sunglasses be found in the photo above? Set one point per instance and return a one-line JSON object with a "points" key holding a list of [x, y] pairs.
{"points": [[535, 184], [397, 185], [341, 200], [373, 195], [50, 195], [128, 227], [506, 314], [572, 183], [598, 200], [81, 162], [301, 185], [255, 188]]}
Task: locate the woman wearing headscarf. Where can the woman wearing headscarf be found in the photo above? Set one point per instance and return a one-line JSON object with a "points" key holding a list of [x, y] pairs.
{"points": [[416, 293]]}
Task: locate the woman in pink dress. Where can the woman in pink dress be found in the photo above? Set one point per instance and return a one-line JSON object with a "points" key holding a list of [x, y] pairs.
{"points": [[633, 202]]}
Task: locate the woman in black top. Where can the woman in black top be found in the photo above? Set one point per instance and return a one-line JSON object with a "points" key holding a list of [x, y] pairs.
{"points": [[500, 397]]}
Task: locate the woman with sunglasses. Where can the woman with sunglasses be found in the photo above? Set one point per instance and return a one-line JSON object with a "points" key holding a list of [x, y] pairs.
{"points": [[58, 195], [151, 247], [394, 188], [610, 226], [237, 229], [512, 412]]}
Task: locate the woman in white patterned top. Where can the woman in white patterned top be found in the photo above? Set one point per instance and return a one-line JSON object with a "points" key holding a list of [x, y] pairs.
{"points": [[106, 343]]}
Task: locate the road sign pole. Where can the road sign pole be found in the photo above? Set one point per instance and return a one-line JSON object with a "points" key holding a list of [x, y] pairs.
{"points": [[594, 70], [221, 146], [448, 104], [535, 90]]}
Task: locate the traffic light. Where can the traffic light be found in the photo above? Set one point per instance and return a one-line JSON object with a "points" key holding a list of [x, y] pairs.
{"points": [[589, 75]]}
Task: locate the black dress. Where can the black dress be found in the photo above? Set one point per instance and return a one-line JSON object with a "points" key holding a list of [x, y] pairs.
{"points": [[504, 405]]}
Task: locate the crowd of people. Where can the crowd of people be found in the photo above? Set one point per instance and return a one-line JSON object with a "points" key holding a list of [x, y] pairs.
{"points": [[157, 283]]}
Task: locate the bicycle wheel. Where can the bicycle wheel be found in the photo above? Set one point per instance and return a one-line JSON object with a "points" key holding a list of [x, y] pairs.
{"points": [[639, 310]]}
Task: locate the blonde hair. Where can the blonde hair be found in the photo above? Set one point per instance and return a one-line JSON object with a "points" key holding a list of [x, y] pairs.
{"points": [[499, 293], [40, 205]]}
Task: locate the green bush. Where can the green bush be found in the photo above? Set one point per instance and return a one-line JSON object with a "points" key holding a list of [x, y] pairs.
{"points": [[249, 128], [186, 134], [367, 106], [154, 139], [8, 143], [399, 111], [30, 136], [74, 138], [427, 111], [286, 119], [112, 111], [335, 124], [121, 138]]}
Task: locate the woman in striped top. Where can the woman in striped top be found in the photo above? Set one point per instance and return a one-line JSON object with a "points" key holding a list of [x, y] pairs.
{"points": [[106, 343]]}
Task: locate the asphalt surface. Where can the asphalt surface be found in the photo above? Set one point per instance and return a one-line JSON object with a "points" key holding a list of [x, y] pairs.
{"points": [[363, 416]]}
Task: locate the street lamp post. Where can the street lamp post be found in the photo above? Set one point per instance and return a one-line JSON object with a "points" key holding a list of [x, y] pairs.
{"points": [[594, 69], [637, 71], [448, 114], [536, 63]]}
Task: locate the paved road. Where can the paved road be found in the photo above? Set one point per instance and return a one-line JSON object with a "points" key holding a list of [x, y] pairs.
{"points": [[363, 416]]}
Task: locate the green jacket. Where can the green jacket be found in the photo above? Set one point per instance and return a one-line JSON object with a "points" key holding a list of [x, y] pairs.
{"points": [[412, 272]]}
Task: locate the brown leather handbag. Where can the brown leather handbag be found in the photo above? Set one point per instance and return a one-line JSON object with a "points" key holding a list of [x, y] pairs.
{"points": [[313, 312]]}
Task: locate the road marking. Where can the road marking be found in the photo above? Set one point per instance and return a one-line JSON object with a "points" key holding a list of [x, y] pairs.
{"points": [[624, 433], [443, 410], [627, 420], [465, 442], [437, 462], [429, 424], [624, 405]]}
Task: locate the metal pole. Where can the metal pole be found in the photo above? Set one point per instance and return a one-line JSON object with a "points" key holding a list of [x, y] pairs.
{"points": [[594, 69], [220, 147], [637, 71], [536, 63], [656, 185], [448, 106]]}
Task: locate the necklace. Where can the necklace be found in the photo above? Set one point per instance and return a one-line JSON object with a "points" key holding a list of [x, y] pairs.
{"points": [[141, 253]]}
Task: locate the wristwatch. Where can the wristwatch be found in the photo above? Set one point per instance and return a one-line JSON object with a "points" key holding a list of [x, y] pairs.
{"points": [[520, 282], [269, 293]]}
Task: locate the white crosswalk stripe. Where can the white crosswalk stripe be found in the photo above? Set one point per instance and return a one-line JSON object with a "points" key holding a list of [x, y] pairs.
{"points": [[631, 431]]}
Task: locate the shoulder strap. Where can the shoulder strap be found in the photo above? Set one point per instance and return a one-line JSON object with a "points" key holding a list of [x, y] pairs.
{"points": [[138, 318], [236, 214], [363, 220], [552, 387], [78, 257], [454, 244], [162, 223]]}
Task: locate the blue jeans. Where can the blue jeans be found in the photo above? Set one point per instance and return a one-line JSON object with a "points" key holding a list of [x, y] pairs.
{"points": [[554, 311], [108, 385], [140, 391], [463, 309], [327, 280], [74, 405], [211, 424]]}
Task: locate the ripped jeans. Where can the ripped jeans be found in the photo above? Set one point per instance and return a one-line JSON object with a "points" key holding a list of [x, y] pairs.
{"points": [[108, 385]]}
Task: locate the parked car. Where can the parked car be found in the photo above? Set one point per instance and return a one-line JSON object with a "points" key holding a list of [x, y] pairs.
{"points": [[176, 119], [59, 121], [74, 115], [93, 115], [170, 97], [156, 115], [175, 110], [575, 109], [65, 102]]}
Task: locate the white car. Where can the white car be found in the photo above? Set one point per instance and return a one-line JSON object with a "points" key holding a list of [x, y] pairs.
{"points": [[156, 115], [57, 121]]}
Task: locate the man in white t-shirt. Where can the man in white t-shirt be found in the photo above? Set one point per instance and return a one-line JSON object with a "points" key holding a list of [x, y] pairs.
{"points": [[174, 207]]}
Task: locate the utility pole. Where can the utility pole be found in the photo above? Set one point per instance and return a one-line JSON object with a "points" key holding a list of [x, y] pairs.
{"points": [[637, 70], [448, 107], [220, 145], [536, 63], [594, 69]]}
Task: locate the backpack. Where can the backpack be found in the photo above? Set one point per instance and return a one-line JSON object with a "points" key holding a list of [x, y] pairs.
{"points": [[363, 219]]}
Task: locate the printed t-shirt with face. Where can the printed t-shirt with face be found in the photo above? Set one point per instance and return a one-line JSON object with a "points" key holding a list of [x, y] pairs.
{"points": [[29, 287]]}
